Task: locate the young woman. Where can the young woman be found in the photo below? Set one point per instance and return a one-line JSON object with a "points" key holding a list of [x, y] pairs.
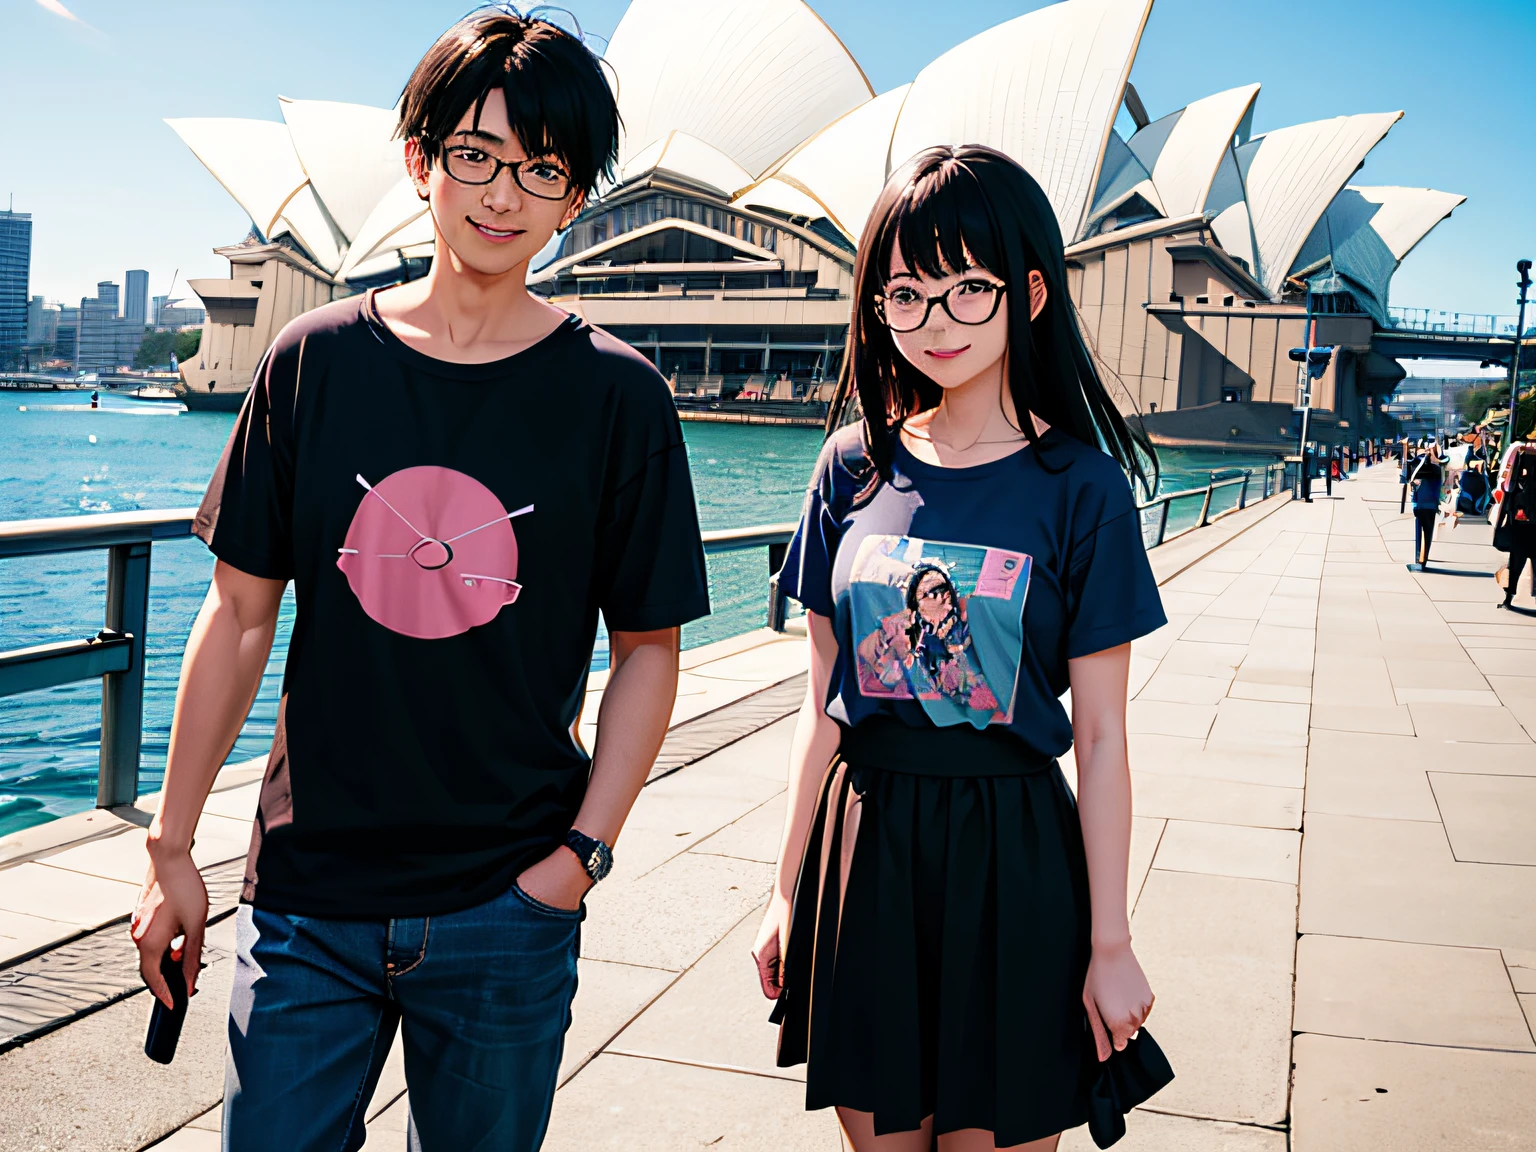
{"points": [[1515, 525], [948, 939]]}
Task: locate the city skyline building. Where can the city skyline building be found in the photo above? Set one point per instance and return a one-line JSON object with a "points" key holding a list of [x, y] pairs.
{"points": [[136, 296], [106, 340], [15, 273]]}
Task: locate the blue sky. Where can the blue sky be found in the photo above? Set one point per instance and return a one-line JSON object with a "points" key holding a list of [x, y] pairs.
{"points": [[111, 187]]}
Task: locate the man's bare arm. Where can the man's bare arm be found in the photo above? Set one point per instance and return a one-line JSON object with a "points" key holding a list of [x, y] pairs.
{"points": [[631, 724], [220, 674]]}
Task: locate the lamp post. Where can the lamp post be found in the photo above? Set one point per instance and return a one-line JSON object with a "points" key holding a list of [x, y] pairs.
{"points": [[1524, 268]]}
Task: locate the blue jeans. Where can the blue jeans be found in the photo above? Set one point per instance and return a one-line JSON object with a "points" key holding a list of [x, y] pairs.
{"points": [[483, 995]]}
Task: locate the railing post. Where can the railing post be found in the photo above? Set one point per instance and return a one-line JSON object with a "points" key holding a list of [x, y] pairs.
{"points": [[1162, 523], [1205, 506], [1242, 494], [778, 607], [122, 693]]}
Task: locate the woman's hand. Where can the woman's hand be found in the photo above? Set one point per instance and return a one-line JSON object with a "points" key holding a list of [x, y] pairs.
{"points": [[768, 951], [1117, 997], [558, 880]]}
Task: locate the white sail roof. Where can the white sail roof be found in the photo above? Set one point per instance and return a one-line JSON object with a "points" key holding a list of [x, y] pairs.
{"points": [[1365, 234], [1183, 150], [349, 153], [751, 78], [1291, 175], [1044, 88], [690, 157], [399, 220], [256, 162], [253, 159], [837, 173]]}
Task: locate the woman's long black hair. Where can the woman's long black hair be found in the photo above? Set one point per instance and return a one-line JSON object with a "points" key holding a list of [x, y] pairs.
{"points": [[945, 209]]}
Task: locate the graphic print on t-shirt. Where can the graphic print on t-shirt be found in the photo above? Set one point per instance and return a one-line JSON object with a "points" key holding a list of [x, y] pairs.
{"points": [[939, 623], [431, 553]]}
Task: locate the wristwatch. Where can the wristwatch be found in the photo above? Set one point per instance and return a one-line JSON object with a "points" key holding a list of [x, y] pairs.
{"points": [[595, 856]]}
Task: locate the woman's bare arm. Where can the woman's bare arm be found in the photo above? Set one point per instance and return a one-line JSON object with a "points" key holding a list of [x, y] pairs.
{"points": [[814, 744], [1116, 995]]}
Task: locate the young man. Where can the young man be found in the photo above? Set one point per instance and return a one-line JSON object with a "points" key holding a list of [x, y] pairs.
{"points": [[457, 478]]}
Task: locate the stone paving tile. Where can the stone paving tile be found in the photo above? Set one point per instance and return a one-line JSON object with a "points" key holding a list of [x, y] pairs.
{"points": [[1427, 755], [57, 894], [189, 1140], [1220, 801], [1397, 880], [639, 1105], [1495, 725], [235, 803], [210, 1121], [1489, 819], [1255, 690], [755, 836], [1230, 850], [1146, 834], [1218, 952], [1347, 785], [608, 997], [88, 1086], [1203, 580], [1528, 1005], [1362, 1094], [1279, 765], [1383, 719], [1265, 723], [1348, 681], [714, 1015], [1198, 659], [387, 1130], [1176, 687], [675, 913], [1416, 993], [1147, 1131], [1155, 644], [1167, 718], [21, 934], [1521, 965]]}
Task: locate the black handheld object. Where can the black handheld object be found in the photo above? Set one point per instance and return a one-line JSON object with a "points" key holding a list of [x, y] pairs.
{"points": [[165, 1023]]}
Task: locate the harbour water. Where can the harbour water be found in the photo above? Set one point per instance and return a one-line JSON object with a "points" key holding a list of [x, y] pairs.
{"points": [[60, 458]]}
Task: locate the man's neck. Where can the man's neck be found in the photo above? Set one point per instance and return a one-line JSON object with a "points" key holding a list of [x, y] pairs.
{"points": [[457, 314]]}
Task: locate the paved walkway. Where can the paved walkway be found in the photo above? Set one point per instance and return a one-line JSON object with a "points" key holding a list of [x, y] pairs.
{"points": [[1333, 881]]}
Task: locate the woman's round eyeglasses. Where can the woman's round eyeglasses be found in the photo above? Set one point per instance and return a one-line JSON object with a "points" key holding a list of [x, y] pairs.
{"points": [[906, 308], [539, 177]]}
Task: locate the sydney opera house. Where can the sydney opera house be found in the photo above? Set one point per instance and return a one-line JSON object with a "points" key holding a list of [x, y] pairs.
{"points": [[754, 148]]}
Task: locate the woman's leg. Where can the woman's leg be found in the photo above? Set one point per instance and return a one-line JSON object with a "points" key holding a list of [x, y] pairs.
{"points": [[859, 1132], [1517, 560]]}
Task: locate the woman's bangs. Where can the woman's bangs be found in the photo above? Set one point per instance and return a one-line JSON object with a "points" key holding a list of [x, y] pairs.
{"points": [[940, 225]]}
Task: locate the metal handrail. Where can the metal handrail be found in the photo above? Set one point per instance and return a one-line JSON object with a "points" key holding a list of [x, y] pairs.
{"points": [[1277, 475], [116, 653]]}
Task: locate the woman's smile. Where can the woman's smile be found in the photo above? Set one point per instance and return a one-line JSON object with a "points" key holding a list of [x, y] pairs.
{"points": [[947, 353]]}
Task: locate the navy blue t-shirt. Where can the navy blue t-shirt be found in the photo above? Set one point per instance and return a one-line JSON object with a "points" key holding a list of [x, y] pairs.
{"points": [[959, 594]]}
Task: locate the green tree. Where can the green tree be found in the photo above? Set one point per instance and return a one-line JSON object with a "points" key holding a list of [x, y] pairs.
{"points": [[155, 349], [187, 341]]}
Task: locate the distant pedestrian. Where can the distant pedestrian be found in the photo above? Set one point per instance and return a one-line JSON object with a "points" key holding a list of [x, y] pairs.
{"points": [[1426, 480], [1515, 530]]}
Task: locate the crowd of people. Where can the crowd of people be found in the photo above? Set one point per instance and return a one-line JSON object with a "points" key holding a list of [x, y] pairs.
{"points": [[1448, 478]]}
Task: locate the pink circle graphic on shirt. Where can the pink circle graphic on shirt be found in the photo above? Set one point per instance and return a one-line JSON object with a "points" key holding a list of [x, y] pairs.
{"points": [[431, 553]]}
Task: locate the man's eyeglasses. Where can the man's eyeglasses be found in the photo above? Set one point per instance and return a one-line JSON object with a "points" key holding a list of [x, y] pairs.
{"points": [[906, 308], [541, 177]]}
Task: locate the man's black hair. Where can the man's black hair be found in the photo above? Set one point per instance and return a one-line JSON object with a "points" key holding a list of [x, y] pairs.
{"points": [[558, 99]]}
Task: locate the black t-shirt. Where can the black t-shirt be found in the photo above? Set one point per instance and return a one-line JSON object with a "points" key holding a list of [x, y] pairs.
{"points": [[959, 594], [451, 531]]}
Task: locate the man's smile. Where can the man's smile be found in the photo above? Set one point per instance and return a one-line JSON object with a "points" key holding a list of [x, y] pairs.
{"points": [[496, 235]]}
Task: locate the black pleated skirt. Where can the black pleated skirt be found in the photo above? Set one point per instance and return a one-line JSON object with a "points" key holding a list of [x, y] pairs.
{"points": [[948, 979]]}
